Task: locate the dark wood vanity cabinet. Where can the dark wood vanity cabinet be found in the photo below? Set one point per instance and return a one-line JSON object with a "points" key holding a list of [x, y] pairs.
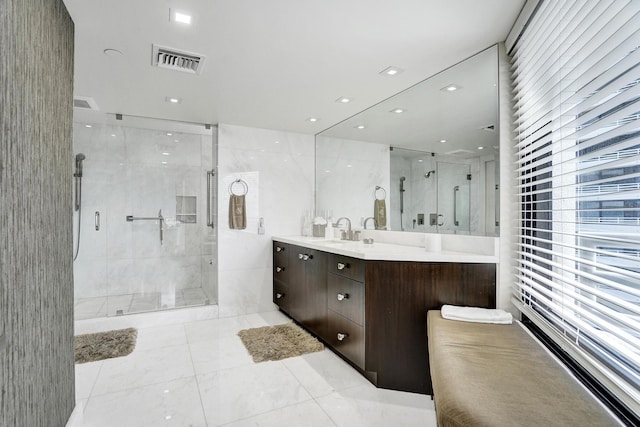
{"points": [[300, 285], [374, 313], [398, 296]]}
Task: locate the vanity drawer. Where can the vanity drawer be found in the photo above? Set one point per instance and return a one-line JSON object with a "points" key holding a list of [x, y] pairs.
{"points": [[281, 263], [281, 296], [352, 268], [346, 337], [346, 297]]}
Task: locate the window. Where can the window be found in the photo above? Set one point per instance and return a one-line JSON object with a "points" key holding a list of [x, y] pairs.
{"points": [[576, 72]]}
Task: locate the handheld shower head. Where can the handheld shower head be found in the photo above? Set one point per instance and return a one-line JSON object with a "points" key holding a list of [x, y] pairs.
{"points": [[79, 158], [402, 178], [428, 174]]}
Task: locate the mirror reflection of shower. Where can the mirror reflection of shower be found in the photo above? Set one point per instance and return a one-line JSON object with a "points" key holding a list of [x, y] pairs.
{"points": [[402, 190], [77, 205]]}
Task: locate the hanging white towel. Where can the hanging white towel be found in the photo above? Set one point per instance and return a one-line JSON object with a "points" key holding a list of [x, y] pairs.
{"points": [[476, 314]]}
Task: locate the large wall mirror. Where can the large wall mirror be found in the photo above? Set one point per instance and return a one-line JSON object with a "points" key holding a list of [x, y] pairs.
{"points": [[424, 160]]}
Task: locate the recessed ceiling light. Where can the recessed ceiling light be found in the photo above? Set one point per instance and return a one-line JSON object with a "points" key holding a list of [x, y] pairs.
{"points": [[112, 52], [312, 119], [480, 148], [451, 88], [183, 18], [360, 127], [420, 160], [398, 110], [165, 153], [443, 141], [391, 71], [169, 134], [173, 100], [349, 166], [276, 142], [164, 163], [344, 100], [113, 134], [88, 126]]}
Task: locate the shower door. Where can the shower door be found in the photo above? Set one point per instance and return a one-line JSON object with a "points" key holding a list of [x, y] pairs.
{"points": [[146, 240], [453, 197]]}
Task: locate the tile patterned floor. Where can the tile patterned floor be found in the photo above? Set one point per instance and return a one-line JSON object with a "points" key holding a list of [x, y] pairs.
{"points": [[198, 373]]}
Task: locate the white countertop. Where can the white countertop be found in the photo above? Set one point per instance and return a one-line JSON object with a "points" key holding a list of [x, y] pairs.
{"points": [[386, 251]]}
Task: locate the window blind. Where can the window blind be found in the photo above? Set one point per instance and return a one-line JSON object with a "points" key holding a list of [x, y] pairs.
{"points": [[576, 76]]}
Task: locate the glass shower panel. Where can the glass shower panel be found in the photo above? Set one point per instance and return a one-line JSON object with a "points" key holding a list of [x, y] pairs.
{"points": [[153, 249], [453, 197]]}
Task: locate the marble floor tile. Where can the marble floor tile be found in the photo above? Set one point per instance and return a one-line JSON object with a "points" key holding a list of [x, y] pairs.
{"points": [[208, 330], [368, 406], [307, 414], [171, 403], [144, 367], [233, 394], [323, 372], [222, 353], [192, 370], [160, 336], [86, 376]]}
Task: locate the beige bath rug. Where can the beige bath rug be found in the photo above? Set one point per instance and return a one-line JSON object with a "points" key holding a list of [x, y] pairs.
{"points": [[278, 342], [104, 345]]}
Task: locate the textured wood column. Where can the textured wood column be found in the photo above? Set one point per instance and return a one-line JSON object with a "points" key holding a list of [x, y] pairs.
{"points": [[36, 276]]}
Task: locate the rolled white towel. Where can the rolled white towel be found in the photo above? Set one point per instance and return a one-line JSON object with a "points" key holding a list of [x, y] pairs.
{"points": [[476, 314]]}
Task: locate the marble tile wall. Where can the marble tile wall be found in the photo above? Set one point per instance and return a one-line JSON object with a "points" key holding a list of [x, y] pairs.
{"points": [[134, 171], [348, 172], [279, 170], [36, 282]]}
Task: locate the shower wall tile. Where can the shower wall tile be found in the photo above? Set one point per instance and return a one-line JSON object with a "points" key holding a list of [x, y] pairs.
{"points": [[284, 163], [91, 277]]}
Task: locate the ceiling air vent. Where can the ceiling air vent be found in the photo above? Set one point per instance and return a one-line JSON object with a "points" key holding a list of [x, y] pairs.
{"points": [[173, 59], [85, 102]]}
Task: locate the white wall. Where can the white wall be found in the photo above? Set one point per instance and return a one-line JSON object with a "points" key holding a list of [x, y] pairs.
{"points": [[279, 169]]}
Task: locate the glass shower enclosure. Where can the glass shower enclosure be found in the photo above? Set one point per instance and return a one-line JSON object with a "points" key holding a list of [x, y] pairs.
{"points": [[145, 231]]}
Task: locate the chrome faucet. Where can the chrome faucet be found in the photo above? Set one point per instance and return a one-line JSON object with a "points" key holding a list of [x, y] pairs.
{"points": [[367, 220], [348, 234]]}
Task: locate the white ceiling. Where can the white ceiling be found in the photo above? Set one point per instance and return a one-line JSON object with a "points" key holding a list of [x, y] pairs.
{"points": [[272, 64]]}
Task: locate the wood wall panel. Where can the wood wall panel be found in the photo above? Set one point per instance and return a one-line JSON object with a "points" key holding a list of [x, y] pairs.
{"points": [[36, 278]]}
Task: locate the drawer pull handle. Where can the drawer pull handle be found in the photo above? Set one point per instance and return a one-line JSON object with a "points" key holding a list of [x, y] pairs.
{"points": [[342, 266], [342, 336], [279, 269], [305, 257], [343, 297], [300, 256], [279, 295], [279, 249]]}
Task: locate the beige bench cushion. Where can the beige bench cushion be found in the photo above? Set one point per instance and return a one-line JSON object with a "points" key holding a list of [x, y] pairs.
{"points": [[498, 375]]}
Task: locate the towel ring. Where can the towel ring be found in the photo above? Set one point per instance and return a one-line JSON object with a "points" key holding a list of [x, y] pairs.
{"points": [[384, 192], [244, 185]]}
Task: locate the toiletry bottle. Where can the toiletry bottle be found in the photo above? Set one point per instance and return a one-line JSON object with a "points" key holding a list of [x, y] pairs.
{"points": [[328, 232]]}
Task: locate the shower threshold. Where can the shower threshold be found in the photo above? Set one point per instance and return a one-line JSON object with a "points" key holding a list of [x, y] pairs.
{"points": [[117, 305]]}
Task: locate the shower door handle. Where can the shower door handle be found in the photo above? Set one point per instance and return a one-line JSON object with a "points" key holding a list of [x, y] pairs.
{"points": [[97, 220], [455, 205], [210, 221]]}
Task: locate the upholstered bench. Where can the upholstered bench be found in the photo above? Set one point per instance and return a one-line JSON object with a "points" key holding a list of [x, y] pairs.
{"points": [[500, 375]]}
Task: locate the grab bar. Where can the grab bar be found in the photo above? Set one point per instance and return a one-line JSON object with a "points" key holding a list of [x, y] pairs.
{"points": [[210, 221], [455, 205], [160, 218]]}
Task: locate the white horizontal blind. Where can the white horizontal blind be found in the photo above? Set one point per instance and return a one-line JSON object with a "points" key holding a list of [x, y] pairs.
{"points": [[576, 72]]}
